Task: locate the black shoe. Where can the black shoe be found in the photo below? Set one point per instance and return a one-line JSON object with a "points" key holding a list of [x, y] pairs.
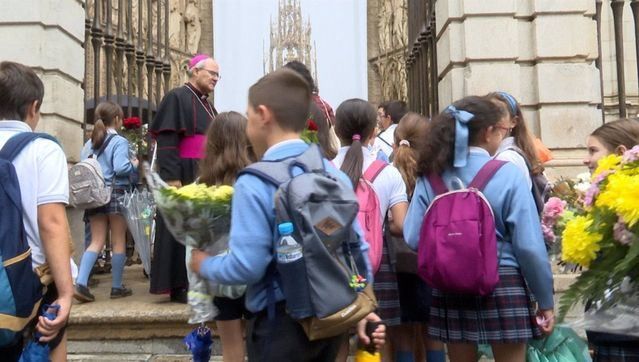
{"points": [[179, 295], [120, 292], [82, 294]]}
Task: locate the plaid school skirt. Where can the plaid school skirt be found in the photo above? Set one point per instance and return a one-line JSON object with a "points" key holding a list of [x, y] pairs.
{"points": [[616, 353], [387, 291], [505, 316], [113, 207]]}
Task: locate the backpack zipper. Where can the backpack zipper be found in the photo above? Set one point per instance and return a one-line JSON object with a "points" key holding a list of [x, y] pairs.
{"points": [[17, 259], [471, 189]]}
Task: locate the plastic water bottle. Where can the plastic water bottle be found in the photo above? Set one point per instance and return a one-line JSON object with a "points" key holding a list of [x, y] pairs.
{"points": [[288, 249], [292, 270]]}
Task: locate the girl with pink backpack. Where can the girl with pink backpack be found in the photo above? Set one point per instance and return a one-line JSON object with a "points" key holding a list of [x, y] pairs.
{"points": [[498, 307], [380, 189]]}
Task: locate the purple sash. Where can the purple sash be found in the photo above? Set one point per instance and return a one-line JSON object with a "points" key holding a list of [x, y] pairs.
{"points": [[192, 146]]}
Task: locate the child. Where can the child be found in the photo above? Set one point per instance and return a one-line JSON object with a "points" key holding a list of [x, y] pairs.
{"points": [[614, 137], [355, 121], [227, 153], [323, 125], [116, 166], [277, 113], [459, 143], [414, 293]]}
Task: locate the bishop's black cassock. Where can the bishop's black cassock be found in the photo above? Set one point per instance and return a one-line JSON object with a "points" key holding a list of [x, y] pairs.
{"points": [[179, 127]]}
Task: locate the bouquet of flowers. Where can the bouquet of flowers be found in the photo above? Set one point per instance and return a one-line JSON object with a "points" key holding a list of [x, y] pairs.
{"points": [[605, 241], [136, 133], [198, 216], [565, 203], [309, 134]]}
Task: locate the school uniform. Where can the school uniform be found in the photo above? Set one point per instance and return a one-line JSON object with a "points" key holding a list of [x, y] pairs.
{"points": [[115, 162], [508, 314], [41, 169], [391, 190], [506, 153], [252, 241]]}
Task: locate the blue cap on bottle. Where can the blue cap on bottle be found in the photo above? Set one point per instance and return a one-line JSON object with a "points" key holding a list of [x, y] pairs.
{"points": [[285, 228]]}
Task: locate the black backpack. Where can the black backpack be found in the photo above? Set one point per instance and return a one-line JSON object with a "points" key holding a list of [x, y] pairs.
{"points": [[541, 187]]}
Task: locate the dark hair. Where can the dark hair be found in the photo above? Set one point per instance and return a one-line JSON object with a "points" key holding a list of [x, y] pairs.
{"points": [[623, 132], [19, 88], [105, 114], [227, 150], [395, 110], [411, 128], [323, 127], [439, 147], [286, 94], [302, 70], [523, 138], [354, 117]]}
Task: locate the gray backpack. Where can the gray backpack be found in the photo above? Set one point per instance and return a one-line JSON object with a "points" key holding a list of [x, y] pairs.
{"points": [[87, 186], [319, 288]]}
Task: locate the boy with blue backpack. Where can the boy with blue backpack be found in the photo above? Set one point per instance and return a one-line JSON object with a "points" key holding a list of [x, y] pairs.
{"points": [[34, 231], [294, 239]]}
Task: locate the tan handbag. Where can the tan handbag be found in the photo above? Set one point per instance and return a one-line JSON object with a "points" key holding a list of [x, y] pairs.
{"points": [[340, 322]]}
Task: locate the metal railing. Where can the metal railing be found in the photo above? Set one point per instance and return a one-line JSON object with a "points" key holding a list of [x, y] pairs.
{"points": [[421, 62], [617, 6], [126, 55]]}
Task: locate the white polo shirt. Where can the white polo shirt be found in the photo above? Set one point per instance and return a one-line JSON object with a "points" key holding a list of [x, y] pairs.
{"points": [[387, 140], [42, 173]]}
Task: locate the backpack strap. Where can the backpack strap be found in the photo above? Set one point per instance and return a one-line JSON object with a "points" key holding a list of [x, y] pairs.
{"points": [[280, 171], [374, 170], [104, 145], [486, 173], [437, 183], [17, 143]]}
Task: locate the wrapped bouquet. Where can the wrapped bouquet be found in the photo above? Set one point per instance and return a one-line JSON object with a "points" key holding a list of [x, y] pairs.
{"points": [[605, 240], [198, 216]]}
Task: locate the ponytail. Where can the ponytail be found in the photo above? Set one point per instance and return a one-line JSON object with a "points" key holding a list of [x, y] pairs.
{"points": [[105, 115], [408, 140], [354, 161], [98, 135], [354, 121], [405, 160]]}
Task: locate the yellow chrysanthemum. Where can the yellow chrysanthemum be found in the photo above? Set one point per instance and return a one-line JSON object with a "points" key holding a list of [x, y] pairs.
{"points": [[621, 195], [608, 163], [578, 244]]}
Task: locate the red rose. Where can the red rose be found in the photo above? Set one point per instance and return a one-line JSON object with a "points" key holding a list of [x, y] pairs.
{"points": [[132, 123], [311, 125]]}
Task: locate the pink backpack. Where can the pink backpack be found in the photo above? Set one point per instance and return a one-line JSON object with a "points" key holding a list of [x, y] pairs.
{"points": [[457, 250], [369, 214]]}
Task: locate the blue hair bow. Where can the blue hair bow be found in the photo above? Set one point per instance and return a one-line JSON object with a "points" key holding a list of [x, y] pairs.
{"points": [[461, 134], [512, 103]]}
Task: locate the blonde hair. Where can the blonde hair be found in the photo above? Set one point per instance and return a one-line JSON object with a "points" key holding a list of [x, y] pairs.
{"points": [[409, 136], [104, 115]]}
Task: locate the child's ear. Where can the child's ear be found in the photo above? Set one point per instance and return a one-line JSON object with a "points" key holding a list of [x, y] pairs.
{"points": [[266, 115], [621, 149]]}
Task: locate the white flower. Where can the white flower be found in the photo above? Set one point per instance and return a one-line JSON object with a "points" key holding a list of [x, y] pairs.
{"points": [[582, 187], [584, 177]]}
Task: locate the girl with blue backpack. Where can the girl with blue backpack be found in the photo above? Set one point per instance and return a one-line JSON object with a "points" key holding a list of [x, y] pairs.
{"points": [[112, 152], [498, 309], [380, 189]]}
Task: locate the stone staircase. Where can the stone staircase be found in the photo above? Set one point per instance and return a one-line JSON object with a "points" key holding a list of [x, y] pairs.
{"points": [[142, 327], [147, 327]]}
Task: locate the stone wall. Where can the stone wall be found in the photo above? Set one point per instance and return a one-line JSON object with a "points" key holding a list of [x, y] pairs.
{"points": [[49, 36], [541, 51]]}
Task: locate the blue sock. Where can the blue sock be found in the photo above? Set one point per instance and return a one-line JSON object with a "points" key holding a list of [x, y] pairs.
{"points": [[86, 264], [404, 356], [436, 356], [117, 268]]}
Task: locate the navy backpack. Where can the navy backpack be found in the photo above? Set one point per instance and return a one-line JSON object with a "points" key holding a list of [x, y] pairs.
{"points": [[20, 288]]}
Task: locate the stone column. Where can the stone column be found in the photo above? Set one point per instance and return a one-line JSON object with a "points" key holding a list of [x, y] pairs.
{"points": [[49, 36], [541, 51]]}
